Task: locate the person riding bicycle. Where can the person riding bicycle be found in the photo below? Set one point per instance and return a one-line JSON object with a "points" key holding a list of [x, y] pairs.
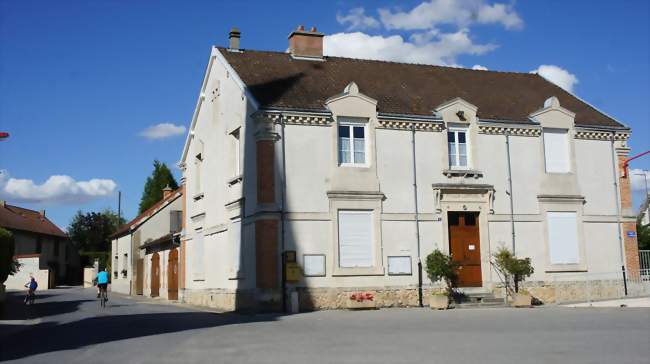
{"points": [[102, 281], [31, 286]]}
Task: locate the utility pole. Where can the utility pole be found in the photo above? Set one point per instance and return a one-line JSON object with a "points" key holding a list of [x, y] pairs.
{"points": [[645, 177], [119, 207]]}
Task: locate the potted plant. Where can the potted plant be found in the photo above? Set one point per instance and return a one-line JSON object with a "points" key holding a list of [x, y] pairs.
{"points": [[514, 271], [440, 267], [124, 273]]}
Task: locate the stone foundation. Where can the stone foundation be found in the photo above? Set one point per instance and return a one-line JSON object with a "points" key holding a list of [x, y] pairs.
{"points": [[233, 300]]}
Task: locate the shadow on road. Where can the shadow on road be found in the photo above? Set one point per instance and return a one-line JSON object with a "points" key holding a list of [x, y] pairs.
{"points": [[14, 309], [49, 337]]}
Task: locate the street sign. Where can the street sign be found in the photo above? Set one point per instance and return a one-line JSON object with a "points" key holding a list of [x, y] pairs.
{"points": [[631, 234]]}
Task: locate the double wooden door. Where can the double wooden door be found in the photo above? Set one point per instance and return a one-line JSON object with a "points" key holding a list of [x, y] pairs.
{"points": [[465, 247]]}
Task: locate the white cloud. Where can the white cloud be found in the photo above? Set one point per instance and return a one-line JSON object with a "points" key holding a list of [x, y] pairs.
{"points": [[478, 67], [430, 47], [162, 131], [461, 13], [56, 189], [357, 19], [558, 76], [637, 180]]}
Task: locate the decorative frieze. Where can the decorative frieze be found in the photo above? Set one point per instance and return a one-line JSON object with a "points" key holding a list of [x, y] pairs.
{"points": [[296, 118], [408, 125], [601, 135], [509, 130]]}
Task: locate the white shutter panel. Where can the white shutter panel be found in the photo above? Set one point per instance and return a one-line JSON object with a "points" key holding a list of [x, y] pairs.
{"points": [[235, 241], [556, 151], [563, 237], [355, 239], [197, 256]]}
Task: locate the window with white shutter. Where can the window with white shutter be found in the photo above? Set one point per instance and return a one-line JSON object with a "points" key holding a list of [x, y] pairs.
{"points": [[235, 240], [563, 237], [197, 256], [556, 151], [355, 239]]}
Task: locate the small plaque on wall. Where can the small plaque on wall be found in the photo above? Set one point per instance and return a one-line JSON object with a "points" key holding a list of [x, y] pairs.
{"points": [[314, 265], [399, 266]]}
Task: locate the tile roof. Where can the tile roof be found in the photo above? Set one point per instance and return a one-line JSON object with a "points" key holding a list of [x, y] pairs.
{"points": [[124, 229], [19, 218], [277, 80]]}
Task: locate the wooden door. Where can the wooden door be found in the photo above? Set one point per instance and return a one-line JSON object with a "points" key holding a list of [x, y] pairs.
{"points": [[155, 275], [139, 276], [465, 247], [172, 275]]}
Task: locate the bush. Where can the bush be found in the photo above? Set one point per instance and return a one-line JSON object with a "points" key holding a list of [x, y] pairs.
{"points": [[513, 269], [441, 267], [8, 265]]}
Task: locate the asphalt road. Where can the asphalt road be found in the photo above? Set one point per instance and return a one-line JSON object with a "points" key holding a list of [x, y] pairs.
{"points": [[68, 326]]}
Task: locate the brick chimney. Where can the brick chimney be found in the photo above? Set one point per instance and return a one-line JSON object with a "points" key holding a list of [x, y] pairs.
{"points": [[308, 44], [167, 191], [41, 212], [233, 37]]}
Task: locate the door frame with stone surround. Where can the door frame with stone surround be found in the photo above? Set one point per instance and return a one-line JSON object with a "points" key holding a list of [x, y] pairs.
{"points": [[464, 245], [477, 198]]}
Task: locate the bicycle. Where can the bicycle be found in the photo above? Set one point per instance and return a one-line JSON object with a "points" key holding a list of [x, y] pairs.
{"points": [[103, 295]]}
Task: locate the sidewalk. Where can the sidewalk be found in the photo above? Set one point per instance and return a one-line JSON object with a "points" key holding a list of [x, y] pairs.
{"points": [[623, 302]]}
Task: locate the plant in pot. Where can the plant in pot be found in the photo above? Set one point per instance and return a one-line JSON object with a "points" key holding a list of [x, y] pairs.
{"points": [[440, 267], [514, 270]]}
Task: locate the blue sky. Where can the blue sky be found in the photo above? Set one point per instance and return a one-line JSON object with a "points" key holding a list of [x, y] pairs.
{"points": [[81, 81]]}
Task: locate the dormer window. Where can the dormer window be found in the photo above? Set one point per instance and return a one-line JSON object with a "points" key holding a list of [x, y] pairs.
{"points": [[352, 144], [458, 150]]}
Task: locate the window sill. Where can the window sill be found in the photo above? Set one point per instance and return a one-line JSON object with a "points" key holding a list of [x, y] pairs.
{"points": [[235, 180], [566, 268], [354, 165], [198, 196], [462, 173]]}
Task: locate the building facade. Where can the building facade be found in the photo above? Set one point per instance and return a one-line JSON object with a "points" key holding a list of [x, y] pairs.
{"points": [[43, 250], [353, 171], [145, 250]]}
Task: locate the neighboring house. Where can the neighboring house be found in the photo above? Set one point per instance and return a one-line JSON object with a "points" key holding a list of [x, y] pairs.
{"points": [[42, 248], [144, 251], [357, 169]]}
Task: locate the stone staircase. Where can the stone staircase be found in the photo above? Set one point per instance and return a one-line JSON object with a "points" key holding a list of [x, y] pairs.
{"points": [[464, 298]]}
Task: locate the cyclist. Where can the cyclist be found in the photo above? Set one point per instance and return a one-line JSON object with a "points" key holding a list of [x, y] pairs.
{"points": [[102, 282], [31, 285]]}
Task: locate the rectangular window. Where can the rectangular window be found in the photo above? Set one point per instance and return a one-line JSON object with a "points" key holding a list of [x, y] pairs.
{"points": [[355, 239], [352, 144], [314, 265], [556, 151], [39, 245], [235, 240], [457, 146], [197, 256], [563, 237], [56, 248], [236, 163]]}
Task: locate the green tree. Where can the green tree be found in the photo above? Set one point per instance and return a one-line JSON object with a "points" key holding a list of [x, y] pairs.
{"points": [[440, 266], [90, 232], [514, 269], [159, 179], [8, 265], [643, 236]]}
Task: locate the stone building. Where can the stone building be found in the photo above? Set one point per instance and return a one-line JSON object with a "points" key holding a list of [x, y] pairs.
{"points": [[354, 170], [145, 253], [42, 248]]}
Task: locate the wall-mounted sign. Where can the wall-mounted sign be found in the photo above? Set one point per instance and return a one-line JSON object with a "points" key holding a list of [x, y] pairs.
{"points": [[631, 234], [472, 247], [399, 265]]}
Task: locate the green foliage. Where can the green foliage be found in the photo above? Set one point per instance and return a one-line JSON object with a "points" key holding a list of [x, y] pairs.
{"points": [[440, 266], [90, 232], [8, 265], [159, 179], [513, 269], [643, 236]]}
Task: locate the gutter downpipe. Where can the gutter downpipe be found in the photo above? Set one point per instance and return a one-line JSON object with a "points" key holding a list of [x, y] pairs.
{"points": [[282, 211], [618, 212], [417, 216], [512, 207]]}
